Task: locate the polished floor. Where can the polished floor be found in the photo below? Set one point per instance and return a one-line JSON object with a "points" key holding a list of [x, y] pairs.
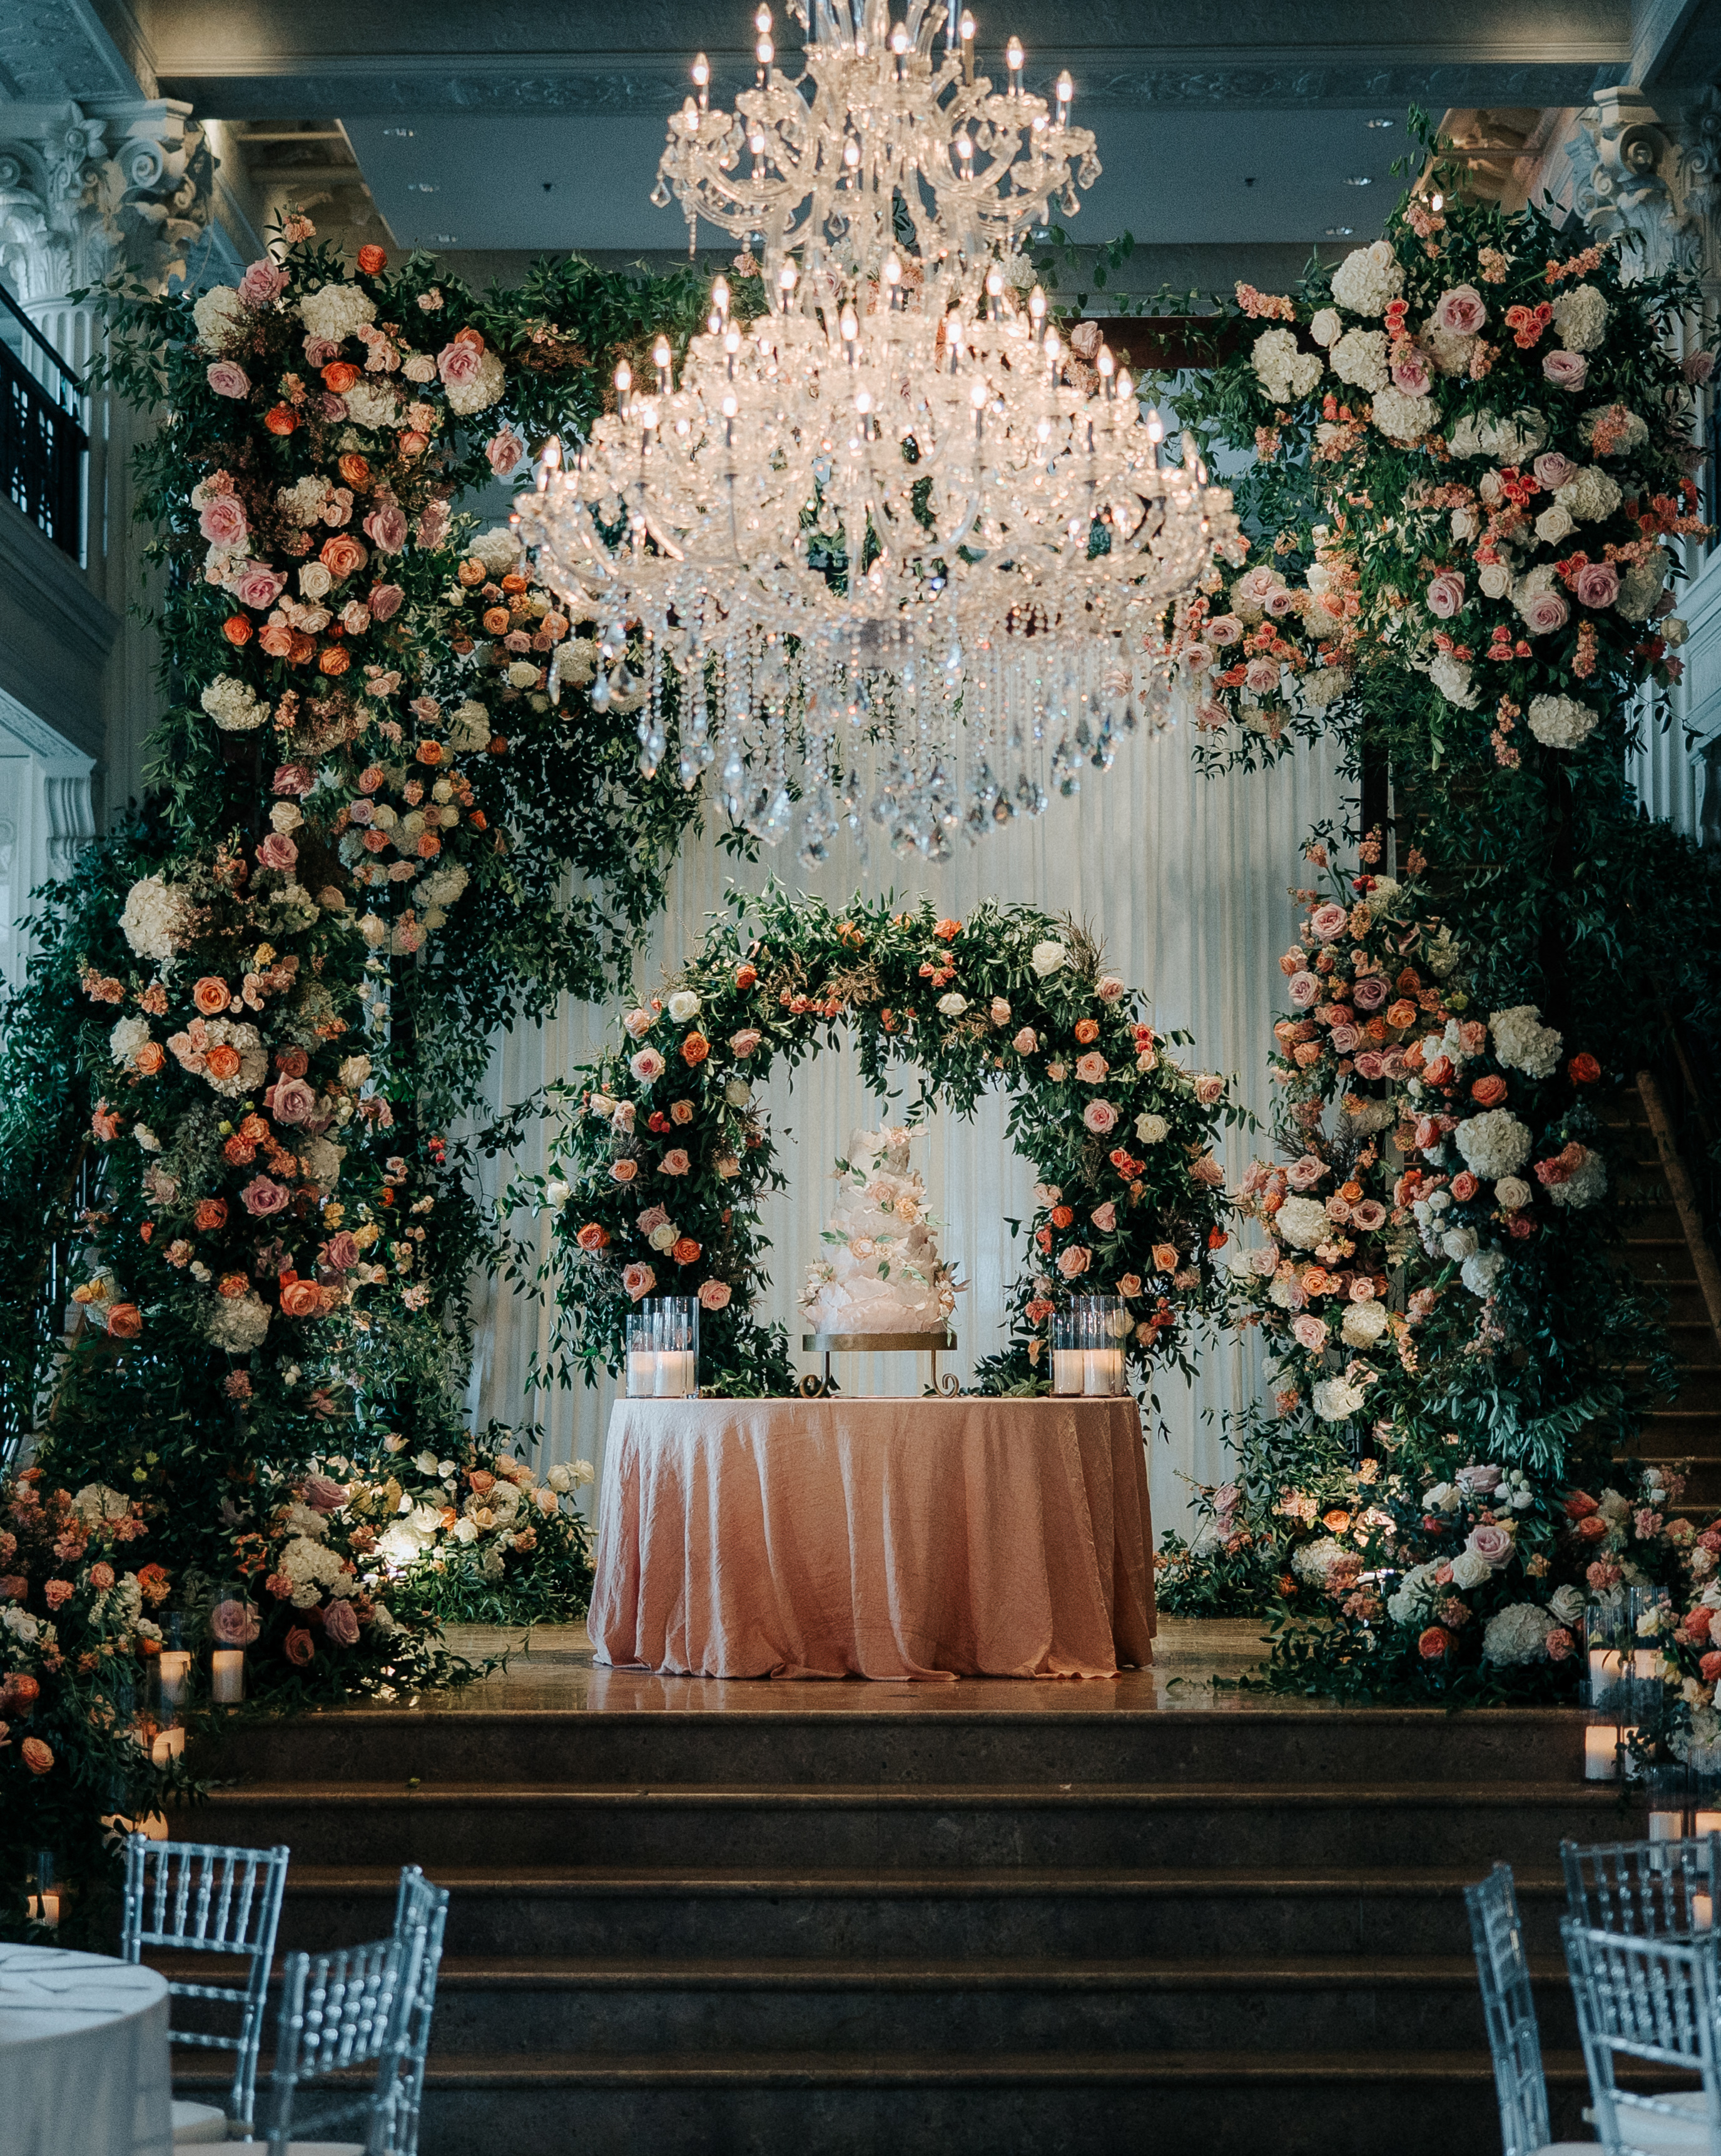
{"points": [[1197, 1664]]}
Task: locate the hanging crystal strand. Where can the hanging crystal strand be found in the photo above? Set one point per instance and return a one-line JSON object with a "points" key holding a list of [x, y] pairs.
{"points": [[652, 739], [732, 703]]}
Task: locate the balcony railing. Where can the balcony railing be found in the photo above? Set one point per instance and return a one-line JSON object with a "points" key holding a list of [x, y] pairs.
{"points": [[43, 443]]}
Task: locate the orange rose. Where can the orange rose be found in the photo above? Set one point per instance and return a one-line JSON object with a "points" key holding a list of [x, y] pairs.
{"points": [[686, 1251], [1580, 1505], [282, 419], [301, 1298], [1489, 1092], [428, 846], [1401, 1015], [496, 621], [210, 1214], [237, 628], [592, 1237], [1433, 1644], [232, 1286], [473, 337], [211, 996], [1335, 1521], [372, 258], [334, 661], [1062, 1215], [124, 1320], [302, 649], [222, 1060], [354, 469], [1592, 1529], [1087, 1029], [746, 976], [341, 554], [472, 571], [1584, 1069], [694, 1049], [946, 931], [150, 1058], [339, 377], [430, 752], [36, 1755]]}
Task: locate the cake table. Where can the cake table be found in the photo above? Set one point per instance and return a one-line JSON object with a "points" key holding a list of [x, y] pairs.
{"points": [[888, 1539]]}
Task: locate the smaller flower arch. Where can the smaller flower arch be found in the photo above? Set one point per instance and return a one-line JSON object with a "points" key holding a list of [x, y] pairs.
{"points": [[662, 1154]]}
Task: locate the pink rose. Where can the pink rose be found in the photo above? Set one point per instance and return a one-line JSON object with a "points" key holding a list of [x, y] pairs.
{"points": [[1100, 1118], [1075, 1260], [1026, 1041], [1345, 1038], [222, 521], [1327, 921], [1460, 313], [332, 407], [1368, 1216], [1481, 1482], [1598, 584], [1697, 367], [432, 524], [1092, 1068], [674, 1162], [277, 851], [258, 587], [1410, 371], [1310, 1333], [743, 1043], [1371, 992], [232, 1624], [323, 1494], [504, 450], [262, 283], [639, 1281], [1553, 471], [263, 1196], [458, 363], [1492, 1545], [384, 600], [1105, 1218], [1445, 595], [1543, 612], [386, 527], [1370, 1064], [1207, 1170], [1305, 989], [341, 1625], [1262, 675], [647, 1066], [291, 1100], [714, 1295], [1224, 628], [293, 779], [227, 378], [1565, 370], [341, 1251]]}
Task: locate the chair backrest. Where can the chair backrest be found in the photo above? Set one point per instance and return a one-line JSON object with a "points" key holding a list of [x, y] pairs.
{"points": [[199, 1898], [1510, 2010], [373, 2002], [1654, 1999], [1645, 1888]]}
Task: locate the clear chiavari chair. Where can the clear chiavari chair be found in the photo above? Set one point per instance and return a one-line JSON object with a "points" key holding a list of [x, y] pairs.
{"points": [[1514, 2040], [200, 1897], [1653, 1999], [1651, 1889]]}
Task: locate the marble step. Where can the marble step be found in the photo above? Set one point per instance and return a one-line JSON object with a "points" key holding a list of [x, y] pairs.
{"points": [[1107, 1913], [851, 1734], [918, 1827]]}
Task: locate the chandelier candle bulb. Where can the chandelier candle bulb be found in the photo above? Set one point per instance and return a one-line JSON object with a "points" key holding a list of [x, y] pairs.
{"points": [[702, 80]]}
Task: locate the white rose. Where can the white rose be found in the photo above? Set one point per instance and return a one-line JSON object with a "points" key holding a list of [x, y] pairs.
{"points": [[1046, 958], [1151, 1129], [1469, 1570], [1495, 578], [737, 1092], [1326, 327], [1512, 1194], [556, 1193], [952, 1005], [1553, 525], [425, 1463], [683, 1005]]}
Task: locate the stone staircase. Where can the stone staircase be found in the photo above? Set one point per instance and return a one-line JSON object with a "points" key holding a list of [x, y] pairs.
{"points": [[1667, 1249], [1234, 1928]]}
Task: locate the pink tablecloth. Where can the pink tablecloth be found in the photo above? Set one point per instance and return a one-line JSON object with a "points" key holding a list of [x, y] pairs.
{"points": [[875, 1538]]}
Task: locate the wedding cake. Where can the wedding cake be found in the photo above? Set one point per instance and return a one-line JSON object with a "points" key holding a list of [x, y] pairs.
{"points": [[883, 1273]]}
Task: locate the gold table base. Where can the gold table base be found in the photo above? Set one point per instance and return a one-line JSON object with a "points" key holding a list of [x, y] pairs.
{"points": [[878, 1343]]}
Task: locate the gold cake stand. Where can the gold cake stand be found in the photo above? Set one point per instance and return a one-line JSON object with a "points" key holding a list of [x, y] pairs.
{"points": [[878, 1343]]}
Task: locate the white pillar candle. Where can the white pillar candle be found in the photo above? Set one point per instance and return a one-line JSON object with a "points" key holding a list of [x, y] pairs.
{"points": [[226, 1677], [1604, 1666], [1102, 1371], [642, 1374], [675, 1374], [1706, 1823], [1702, 1913], [48, 1907], [1665, 1826], [1646, 1661], [167, 1744], [175, 1664], [1600, 1760], [1068, 1370]]}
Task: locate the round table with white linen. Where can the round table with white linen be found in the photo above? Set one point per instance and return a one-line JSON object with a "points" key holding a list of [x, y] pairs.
{"points": [[892, 1538], [84, 2068]]}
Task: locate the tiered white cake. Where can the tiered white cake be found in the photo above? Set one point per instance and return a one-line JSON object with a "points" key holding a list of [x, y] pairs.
{"points": [[883, 1273]]}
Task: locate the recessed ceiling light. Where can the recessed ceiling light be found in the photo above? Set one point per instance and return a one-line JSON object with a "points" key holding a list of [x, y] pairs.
{"points": [[1357, 180], [444, 240], [1340, 231], [405, 134], [430, 187], [1377, 123]]}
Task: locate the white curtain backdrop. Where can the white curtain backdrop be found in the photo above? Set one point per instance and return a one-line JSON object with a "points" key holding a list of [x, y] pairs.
{"points": [[1185, 879]]}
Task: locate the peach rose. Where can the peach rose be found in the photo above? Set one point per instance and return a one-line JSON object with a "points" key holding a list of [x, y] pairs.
{"points": [[36, 1755], [684, 1251], [124, 1320], [1433, 1643], [1075, 1260], [592, 1237], [301, 1298], [211, 995], [714, 1295], [342, 555], [694, 1049], [639, 1281], [150, 1058]]}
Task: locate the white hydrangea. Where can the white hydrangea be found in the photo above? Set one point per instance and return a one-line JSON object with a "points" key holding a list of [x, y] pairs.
{"points": [[1523, 1043], [1451, 676], [302, 503], [234, 705], [1322, 687], [1561, 722], [1359, 357], [1402, 417], [1362, 1324], [1412, 1601], [1579, 317], [236, 1324], [444, 885], [371, 405], [1584, 1187], [1443, 954], [254, 1058], [1336, 1399], [1513, 439], [482, 391], [498, 549], [1368, 280], [157, 919], [218, 314], [311, 1568], [96, 1505], [469, 726], [1287, 374], [127, 1037], [1492, 1144], [334, 312], [320, 1159], [1312, 1561], [1642, 586], [1593, 495], [1303, 1222], [1516, 1634], [1480, 1272]]}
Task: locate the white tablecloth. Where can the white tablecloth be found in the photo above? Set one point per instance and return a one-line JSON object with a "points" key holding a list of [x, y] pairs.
{"points": [[84, 2062]]}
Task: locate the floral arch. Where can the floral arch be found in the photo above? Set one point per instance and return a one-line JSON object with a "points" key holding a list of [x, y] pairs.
{"points": [[661, 1153]]}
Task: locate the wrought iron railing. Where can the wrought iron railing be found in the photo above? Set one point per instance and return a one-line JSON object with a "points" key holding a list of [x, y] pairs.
{"points": [[43, 443]]}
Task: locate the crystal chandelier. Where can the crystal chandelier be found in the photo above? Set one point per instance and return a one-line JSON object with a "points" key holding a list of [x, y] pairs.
{"points": [[883, 548]]}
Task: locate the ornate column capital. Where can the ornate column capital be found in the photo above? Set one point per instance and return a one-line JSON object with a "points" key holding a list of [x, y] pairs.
{"points": [[1652, 180], [88, 189]]}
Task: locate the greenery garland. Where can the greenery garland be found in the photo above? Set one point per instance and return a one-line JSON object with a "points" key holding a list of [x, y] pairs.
{"points": [[662, 1154]]}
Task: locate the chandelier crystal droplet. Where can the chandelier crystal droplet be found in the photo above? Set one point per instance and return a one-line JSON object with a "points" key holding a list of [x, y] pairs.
{"points": [[892, 549]]}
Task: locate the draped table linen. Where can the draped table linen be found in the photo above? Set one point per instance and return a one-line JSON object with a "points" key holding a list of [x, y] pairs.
{"points": [[883, 1538], [85, 2069]]}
